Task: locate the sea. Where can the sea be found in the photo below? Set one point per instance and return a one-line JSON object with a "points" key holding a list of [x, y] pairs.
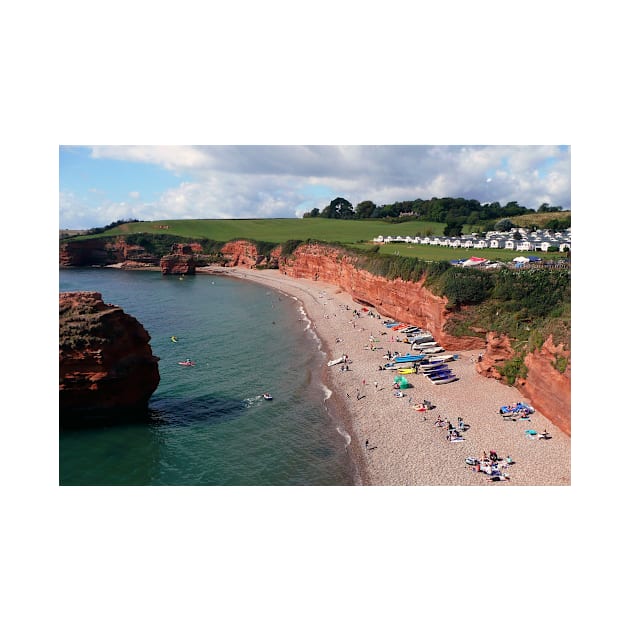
{"points": [[209, 424]]}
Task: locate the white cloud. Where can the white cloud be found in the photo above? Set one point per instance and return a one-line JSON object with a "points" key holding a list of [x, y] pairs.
{"points": [[269, 181]]}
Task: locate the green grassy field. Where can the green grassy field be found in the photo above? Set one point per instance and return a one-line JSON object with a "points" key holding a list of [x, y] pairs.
{"points": [[356, 233], [280, 230]]}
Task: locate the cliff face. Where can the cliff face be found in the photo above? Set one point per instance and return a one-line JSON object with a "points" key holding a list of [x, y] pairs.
{"points": [[106, 365], [546, 388], [243, 253], [85, 253], [405, 301], [103, 252], [411, 302], [550, 388], [180, 261]]}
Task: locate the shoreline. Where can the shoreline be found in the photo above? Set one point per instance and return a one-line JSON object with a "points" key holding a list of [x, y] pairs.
{"points": [[403, 446], [334, 405]]}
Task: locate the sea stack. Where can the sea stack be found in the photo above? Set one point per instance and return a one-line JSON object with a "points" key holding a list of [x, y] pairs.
{"points": [[106, 365]]}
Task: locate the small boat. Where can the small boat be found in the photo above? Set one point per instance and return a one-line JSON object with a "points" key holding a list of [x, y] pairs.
{"points": [[434, 373], [428, 369], [425, 344], [187, 363], [267, 396], [408, 358], [436, 376], [409, 330], [174, 339], [399, 366], [441, 359], [337, 361], [433, 350], [443, 381], [422, 337]]}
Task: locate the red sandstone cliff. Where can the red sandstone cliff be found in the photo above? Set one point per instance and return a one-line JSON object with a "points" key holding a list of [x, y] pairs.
{"points": [[548, 388], [244, 253], [405, 301], [545, 386], [104, 252], [180, 261], [106, 364], [410, 302]]}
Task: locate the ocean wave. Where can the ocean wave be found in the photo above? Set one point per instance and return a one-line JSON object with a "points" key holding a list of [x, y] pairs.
{"points": [[344, 435], [327, 392]]}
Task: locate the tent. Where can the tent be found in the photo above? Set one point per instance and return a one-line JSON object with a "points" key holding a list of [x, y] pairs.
{"points": [[473, 260], [520, 259], [534, 259]]}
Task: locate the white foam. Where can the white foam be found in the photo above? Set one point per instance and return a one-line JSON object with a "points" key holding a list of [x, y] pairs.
{"points": [[345, 435], [327, 392]]}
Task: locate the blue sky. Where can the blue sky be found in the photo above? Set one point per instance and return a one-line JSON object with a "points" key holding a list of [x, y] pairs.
{"points": [[101, 184]]}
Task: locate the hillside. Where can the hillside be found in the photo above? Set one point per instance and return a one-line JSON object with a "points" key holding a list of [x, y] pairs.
{"points": [[275, 230]]}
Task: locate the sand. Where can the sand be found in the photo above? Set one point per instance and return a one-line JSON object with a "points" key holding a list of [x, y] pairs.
{"points": [[404, 447]]}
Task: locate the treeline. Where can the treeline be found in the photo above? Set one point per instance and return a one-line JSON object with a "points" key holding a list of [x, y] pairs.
{"points": [[454, 211], [113, 224]]}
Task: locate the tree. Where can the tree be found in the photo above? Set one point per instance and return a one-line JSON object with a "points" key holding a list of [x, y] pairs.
{"points": [[454, 227], [365, 209], [338, 208], [342, 207], [503, 225]]}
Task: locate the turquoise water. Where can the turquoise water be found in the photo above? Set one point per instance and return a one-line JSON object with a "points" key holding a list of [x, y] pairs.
{"points": [[209, 424]]}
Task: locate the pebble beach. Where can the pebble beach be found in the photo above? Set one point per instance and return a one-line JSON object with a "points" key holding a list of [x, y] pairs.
{"points": [[392, 443]]}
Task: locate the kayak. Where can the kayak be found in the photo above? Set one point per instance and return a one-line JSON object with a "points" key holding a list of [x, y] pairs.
{"points": [[408, 358]]}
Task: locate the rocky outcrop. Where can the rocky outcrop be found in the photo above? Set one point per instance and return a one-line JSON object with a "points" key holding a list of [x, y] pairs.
{"points": [[86, 253], [547, 385], [106, 365], [102, 252], [180, 261], [242, 253], [498, 350]]}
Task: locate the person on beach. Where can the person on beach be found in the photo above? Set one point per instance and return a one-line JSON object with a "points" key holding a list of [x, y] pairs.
{"points": [[366, 444], [375, 385]]}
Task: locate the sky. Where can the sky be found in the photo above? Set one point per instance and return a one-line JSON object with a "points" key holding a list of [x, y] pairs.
{"points": [[105, 183]]}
